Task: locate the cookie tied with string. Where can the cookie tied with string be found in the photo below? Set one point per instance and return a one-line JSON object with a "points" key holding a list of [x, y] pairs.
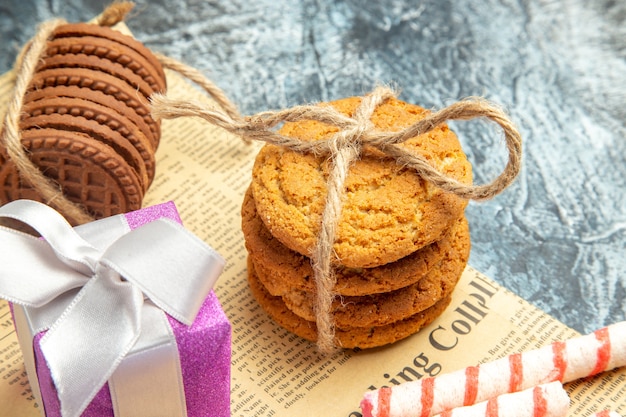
{"points": [[78, 134], [394, 229], [387, 213], [355, 188]]}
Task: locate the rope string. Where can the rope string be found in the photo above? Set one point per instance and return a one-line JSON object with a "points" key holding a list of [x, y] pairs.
{"points": [[259, 127], [342, 149], [24, 69]]}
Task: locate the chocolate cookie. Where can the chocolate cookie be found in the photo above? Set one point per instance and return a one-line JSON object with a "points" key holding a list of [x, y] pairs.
{"points": [[108, 50], [101, 82], [127, 140], [356, 337], [291, 271], [101, 99], [86, 29], [95, 131], [388, 211], [92, 173], [92, 62], [85, 122]]}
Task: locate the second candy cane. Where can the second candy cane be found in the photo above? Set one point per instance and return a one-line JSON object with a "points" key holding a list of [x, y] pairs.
{"points": [[561, 361]]}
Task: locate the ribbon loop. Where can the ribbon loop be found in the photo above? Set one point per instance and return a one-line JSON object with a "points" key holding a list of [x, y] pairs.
{"points": [[180, 301], [25, 286], [69, 247], [99, 327]]}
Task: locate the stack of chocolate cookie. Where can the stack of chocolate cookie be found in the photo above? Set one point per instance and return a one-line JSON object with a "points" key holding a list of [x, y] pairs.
{"points": [[401, 243], [86, 122]]}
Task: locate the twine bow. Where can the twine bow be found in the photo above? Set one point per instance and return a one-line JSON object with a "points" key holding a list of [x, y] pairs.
{"points": [[342, 149]]}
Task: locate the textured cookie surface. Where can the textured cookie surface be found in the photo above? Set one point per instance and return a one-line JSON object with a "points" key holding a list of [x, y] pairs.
{"points": [[384, 308], [92, 173], [101, 99], [86, 29], [361, 337], [93, 62], [85, 123], [95, 131], [388, 211], [291, 271], [99, 82], [111, 51], [113, 128]]}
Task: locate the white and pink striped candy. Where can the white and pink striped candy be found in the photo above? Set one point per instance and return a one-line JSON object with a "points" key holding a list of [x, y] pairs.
{"points": [[561, 361], [548, 400]]}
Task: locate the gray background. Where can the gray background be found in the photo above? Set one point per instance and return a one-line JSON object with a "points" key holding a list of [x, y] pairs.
{"points": [[557, 237]]}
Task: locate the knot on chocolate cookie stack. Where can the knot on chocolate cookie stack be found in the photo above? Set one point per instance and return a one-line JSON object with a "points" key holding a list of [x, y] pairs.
{"points": [[80, 128]]}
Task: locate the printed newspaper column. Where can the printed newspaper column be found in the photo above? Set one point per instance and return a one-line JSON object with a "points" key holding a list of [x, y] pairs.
{"points": [[16, 398]]}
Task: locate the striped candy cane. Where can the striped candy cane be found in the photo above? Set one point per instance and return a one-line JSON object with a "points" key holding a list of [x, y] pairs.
{"points": [[561, 361], [549, 400]]}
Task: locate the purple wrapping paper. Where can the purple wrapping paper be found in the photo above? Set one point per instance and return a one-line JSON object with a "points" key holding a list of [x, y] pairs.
{"points": [[204, 348]]}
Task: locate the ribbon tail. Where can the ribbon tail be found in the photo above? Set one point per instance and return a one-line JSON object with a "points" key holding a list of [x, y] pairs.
{"points": [[100, 326], [155, 357]]}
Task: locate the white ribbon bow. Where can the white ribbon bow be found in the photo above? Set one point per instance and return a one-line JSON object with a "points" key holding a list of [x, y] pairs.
{"points": [[160, 261]]}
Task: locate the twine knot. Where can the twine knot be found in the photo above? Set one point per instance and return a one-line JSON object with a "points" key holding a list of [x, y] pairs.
{"points": [[342, 149]]}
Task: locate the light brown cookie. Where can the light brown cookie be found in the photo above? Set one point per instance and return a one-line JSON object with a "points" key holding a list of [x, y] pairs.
{"points": [[89, 172], [356, 337], [289, 270], [384, 308], [388, 211]]}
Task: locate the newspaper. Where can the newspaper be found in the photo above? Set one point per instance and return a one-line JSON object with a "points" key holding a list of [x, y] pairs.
{"points": [[16, 398], [206, 171]]}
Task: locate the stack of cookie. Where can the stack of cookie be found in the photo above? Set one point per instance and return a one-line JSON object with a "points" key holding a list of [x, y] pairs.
{"points": [[86, 122], [401, 243]]}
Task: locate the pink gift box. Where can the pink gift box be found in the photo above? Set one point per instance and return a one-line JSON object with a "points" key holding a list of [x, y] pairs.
{"points": [[204, 350]]}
